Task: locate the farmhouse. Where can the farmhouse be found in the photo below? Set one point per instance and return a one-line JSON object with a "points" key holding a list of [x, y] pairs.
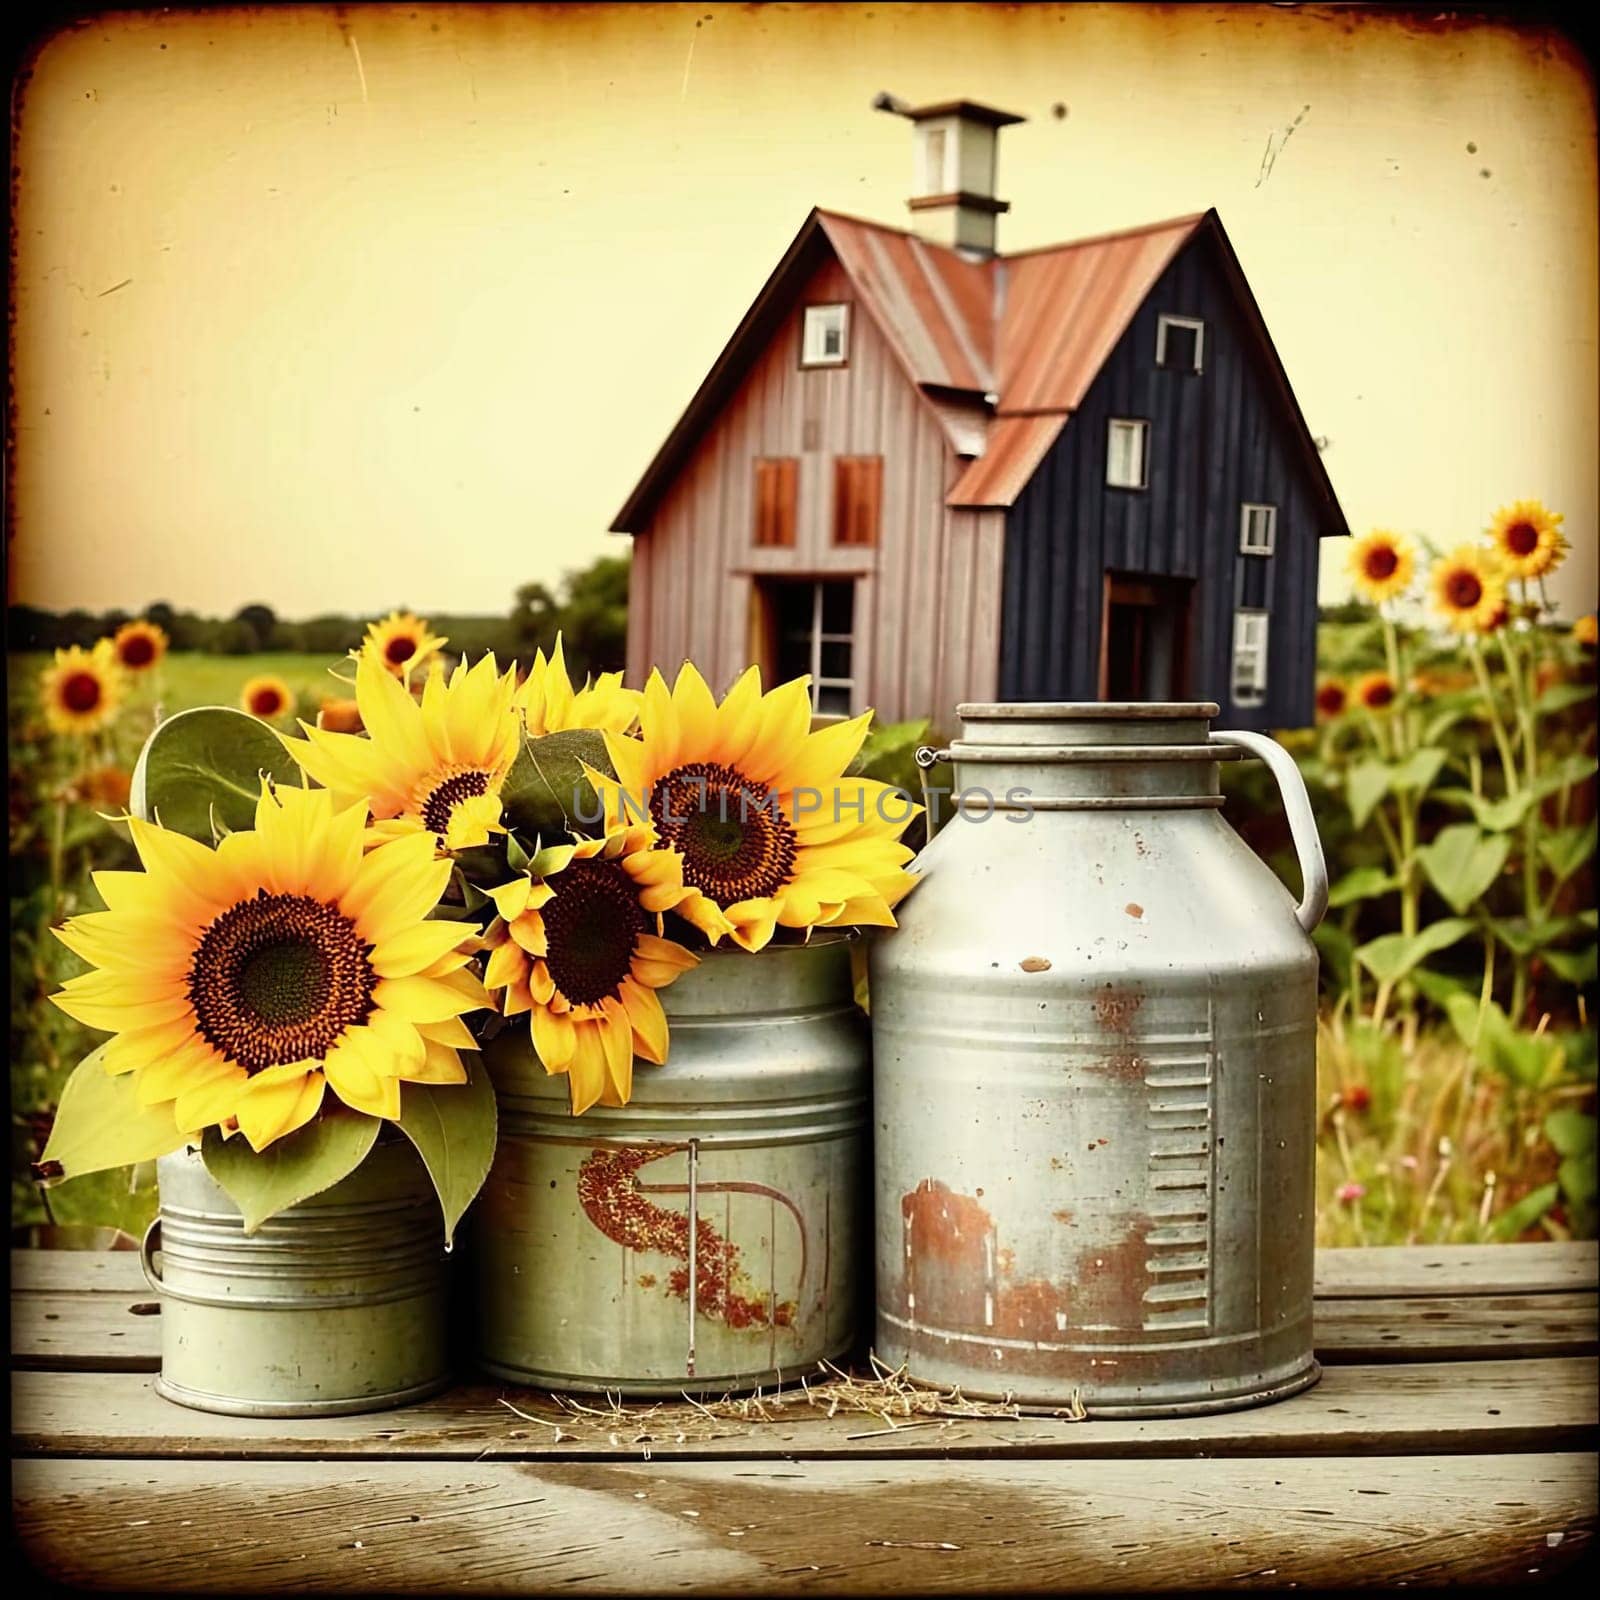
{"points": [[925, 472]]}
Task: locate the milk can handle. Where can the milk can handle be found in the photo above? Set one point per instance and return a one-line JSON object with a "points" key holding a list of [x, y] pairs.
{"points": [[147, 1251], [1302, 821]]}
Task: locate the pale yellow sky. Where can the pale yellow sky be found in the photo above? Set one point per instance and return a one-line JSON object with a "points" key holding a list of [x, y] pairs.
{"points": [[345, 308]]}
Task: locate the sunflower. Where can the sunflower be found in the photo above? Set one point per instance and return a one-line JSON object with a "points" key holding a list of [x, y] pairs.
{"points": [[572, 946], [106, 788], [437, 766], [1332, 698], [140, 645], [398, 643], [770, 830], [1528, 539], [82, 689], [1382, 564], [1467, 589], [1376, 690], [267, 697], [339, 715], [238, 982], [549, 705], [1586, 631]]}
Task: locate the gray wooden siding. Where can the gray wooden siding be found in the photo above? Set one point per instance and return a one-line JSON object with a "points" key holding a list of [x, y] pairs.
{"points": [[928, 595], [1217, 439]]}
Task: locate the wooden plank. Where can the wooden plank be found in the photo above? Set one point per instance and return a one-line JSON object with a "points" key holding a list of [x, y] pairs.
{"points": [[1466, 1407], [111, 1332], [1434, 1328], [839, 1526], [1457, 1269], [78, 1271]]}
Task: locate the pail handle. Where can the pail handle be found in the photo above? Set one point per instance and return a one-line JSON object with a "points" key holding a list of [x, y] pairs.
{"points": [[147, 1251], [1302, 820]]}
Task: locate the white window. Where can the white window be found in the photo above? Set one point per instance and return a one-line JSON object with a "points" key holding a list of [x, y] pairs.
{"points": [[1125, 453], [1180, 343], [826, 341], [815, 634], [1250, 657], [1258, 530]]}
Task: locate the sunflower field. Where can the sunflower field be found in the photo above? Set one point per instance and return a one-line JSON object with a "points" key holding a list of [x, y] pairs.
{"points": [[1452, 767]]}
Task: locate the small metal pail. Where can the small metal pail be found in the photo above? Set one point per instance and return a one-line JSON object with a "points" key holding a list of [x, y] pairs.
{"points": [[703, 1238], [336, 1305]]}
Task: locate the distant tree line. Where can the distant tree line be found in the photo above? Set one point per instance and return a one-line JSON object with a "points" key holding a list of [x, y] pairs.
{"points": [[588, 608]]}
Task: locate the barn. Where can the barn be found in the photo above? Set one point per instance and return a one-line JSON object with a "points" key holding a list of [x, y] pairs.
{"points": [[925, 472]]}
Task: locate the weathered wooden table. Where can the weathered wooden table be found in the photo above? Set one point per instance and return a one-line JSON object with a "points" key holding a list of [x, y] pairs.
{"points": [[1451, 1439]]}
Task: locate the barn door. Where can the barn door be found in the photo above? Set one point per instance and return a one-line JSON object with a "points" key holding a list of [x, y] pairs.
{"points": [[1144, 637]]}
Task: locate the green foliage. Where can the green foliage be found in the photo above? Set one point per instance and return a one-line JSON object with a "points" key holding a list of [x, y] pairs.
{"points": [[453, 1129], [200, 771], [104, 1125], [546, 790], [304, 1163], [1461, 862], [590, 612]]}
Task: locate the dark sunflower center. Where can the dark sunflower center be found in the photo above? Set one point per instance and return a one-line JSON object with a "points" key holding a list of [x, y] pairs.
{"points": [[400, 649], [279, 978], [1522, 538], [1381, 562], [736, 842], [1331, 698], [138, 650], [1379, 694], [1463, 590], [266, 702], [81, 692], [592, 927], [441, 803]]}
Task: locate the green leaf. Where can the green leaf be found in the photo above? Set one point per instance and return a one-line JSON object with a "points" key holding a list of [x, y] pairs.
{"points": [[1577, 967], [1571, 1132], [100, 1124], [1498, 816], [886, 747], [1418, 770], [1338, 952], [1395, 954], [453, 1127], [1531, 1059], [1463, 861], [1564, 774], [1565, 850], [1365, 785], [552, 858], [1519, 1218], [1440, 987], [200, 771], [313, 1158], [1363, 883], [1523, 938], [1576, 1175], [1561, 696], [546, 791]]}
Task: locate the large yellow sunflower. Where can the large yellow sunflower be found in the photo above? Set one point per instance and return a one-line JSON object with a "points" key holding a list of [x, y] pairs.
{"points": [[549, 704], [572, 945], [81, 690], [1382, 564], [437, 766], [770, 830], [267, 696], [1376, 690], [239, 981], [398, 643], [1468, 590], [1528, 539], [140, 645]]}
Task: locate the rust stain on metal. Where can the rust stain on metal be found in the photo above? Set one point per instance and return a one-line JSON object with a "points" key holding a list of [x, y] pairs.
{"points": [[1064, 1217], [1134, 909], [1123, 1065], [1115, 1007], [942, 1224], [1109, 1281], [1034, 964]]}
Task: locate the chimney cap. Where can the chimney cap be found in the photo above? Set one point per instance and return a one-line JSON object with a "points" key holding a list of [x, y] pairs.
{"points": [[971, 110]]}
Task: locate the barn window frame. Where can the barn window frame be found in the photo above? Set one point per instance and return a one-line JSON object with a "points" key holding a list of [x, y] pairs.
{"points": [[772, 519], [816, 323], [1195, 325], [815, 635], [1252, 637], [857, 501], [1140, 429], [1267, 544]]}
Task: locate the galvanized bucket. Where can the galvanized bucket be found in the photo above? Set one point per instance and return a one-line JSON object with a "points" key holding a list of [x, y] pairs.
{"points": [[703, 1238], [1095, 1079], [336, 1305]]}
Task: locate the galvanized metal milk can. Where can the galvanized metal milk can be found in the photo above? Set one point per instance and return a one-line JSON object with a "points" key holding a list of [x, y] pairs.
{"points": [[335, 1305], [1095, 1079], [707, 1236]]}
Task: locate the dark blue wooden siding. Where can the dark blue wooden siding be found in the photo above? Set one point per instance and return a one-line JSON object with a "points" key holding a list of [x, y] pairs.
{"points": [[1218, 438]]}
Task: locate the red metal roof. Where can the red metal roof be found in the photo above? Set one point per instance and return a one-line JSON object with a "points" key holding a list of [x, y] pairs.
{"points": [[1003, 349]]}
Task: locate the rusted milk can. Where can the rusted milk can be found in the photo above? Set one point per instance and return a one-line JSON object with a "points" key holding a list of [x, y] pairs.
{"points": [[1095, 1080], [335, 1305], [707, 1236]]}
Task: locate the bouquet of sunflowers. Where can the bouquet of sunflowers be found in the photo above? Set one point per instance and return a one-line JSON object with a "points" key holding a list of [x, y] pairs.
{"points": [[327, 924]]}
